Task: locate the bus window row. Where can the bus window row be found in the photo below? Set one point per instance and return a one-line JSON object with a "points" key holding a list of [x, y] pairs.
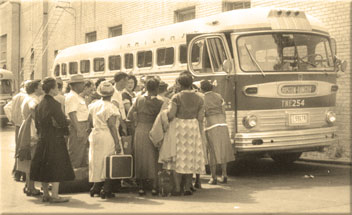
{"points": [[164, 57]]}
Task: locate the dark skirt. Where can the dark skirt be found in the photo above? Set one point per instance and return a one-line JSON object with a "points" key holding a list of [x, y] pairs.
{"points": [[51, 162], [146, 155]]}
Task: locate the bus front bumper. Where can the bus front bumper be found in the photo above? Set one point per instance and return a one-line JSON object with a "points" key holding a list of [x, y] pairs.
{"points": [[291, 141]]}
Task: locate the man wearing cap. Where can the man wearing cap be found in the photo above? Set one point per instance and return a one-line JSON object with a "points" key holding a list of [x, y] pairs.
{"points": [[77, 111]]}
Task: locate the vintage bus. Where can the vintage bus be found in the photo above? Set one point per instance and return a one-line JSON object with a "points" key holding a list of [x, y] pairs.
{"points": [[275, 68], [6, 91]]}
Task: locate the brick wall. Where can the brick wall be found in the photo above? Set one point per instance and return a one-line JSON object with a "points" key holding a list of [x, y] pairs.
{"points": [[10, 27], [337, 16]]}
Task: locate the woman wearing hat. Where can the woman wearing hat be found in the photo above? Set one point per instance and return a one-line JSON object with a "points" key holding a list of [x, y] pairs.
{"points": [[103, 139], [217, 132]]}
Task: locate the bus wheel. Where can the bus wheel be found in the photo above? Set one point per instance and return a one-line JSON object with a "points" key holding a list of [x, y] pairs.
{"points": [[286, 158]]}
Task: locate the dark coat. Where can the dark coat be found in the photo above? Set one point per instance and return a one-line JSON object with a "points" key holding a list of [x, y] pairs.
{"points": [[51, 162]]}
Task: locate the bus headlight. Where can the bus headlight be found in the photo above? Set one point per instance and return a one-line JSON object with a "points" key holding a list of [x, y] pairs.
{"points": [[249, 121], [330, 117]]}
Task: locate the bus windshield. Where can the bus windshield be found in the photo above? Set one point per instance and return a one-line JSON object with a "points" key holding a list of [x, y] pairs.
{"points": [[5, 87], [274, 52]]}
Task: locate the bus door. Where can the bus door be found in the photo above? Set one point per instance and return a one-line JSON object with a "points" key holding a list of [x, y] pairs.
{"points": [[209, 58]]}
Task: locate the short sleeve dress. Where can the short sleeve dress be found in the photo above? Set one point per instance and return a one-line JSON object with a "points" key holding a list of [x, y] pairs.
{"points": [[216, 128], [185, 133], [100, 139], [147, 109]]}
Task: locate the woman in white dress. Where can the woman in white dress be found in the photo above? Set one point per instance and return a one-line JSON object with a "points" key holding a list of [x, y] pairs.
{"points": [[34, 91], [103, 139]]}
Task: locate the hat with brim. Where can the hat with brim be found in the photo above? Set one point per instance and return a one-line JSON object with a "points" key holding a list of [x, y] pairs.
{"points": [[76, 79], [105, 88]]}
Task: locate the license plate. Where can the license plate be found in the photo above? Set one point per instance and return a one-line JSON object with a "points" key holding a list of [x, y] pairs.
{"points": [[299, 119]]}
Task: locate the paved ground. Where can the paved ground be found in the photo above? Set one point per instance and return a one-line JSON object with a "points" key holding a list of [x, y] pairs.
{"points": [[259, 186]]}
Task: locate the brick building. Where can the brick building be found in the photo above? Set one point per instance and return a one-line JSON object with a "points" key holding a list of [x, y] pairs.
{"points": [[34, 31]]}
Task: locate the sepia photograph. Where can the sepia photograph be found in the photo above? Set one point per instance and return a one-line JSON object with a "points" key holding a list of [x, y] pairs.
{"points": [[175, 107]]}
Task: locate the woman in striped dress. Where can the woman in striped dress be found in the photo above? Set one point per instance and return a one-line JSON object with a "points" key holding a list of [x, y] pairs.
{"points": [[219, 144]]}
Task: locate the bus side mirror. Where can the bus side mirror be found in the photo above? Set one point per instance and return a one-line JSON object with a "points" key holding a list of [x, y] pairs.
{"points": [[227, 65], [343, 66], [333, 46], [340, 66]]}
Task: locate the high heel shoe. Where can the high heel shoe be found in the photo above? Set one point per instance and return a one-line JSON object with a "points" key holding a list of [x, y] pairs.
{"points": [[141, 192], [46, 198], [92, 192], [106, 195], [33, 192], [59, 200], [198, 185], [212, 181], [223, 179], [154, 192]]}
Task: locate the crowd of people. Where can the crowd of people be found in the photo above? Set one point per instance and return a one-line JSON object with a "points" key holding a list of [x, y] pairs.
{"points": [[178, 128]]}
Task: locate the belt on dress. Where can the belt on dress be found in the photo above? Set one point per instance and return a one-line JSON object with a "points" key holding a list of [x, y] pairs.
{"points": [[215, 125]]}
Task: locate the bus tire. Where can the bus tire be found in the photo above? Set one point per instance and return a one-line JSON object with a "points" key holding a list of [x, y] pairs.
{"points": [[286, 158]]}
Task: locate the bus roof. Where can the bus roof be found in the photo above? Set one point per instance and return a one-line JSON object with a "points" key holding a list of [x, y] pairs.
{"points": [[6, 74], [253, 19]]}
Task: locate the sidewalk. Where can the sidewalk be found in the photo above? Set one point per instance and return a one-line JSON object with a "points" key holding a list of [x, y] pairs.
{"points": [[317, 157]]}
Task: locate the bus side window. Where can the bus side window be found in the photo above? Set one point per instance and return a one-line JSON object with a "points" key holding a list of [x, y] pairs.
{"points": [[144, 59], [73, 68], [57, 70], [99, 64], [63, 69], [85, 66], [165, 56], [114, 62], [129, 61], [183, 54]]}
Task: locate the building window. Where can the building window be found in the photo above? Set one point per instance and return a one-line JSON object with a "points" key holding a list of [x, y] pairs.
{"points": [[185, 14], [235, 5], [91, 37], [115, 31], [85, 66], [144, 59], [3, 48], [99, 64], [165, 56]]}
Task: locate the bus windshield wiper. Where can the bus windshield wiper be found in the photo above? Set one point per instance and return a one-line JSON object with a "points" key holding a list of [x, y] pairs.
{"points": [[254, 60]]}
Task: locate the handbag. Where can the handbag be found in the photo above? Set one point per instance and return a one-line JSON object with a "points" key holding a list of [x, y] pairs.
{"points": [[24, 139]]}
